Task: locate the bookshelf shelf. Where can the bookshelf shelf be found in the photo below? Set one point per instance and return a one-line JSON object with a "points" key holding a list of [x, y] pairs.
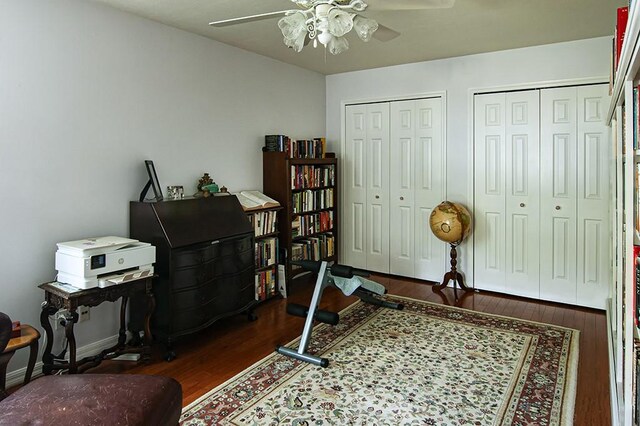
{"points": [[285, 180]]}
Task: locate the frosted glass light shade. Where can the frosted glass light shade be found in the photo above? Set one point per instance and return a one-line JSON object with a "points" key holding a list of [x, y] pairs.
{"points": [[340, 22], [364, 27], [338, 45], [294, 30], [324, 37]]}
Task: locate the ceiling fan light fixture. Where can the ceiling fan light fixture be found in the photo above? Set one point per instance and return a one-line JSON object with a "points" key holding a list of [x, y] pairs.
{"points": [[340, 22], [294, 30], [337, 45], [364, 27], [325, 37]]}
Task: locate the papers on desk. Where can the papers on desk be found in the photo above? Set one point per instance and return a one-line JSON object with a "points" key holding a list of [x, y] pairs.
{"points": [[67, 288]]}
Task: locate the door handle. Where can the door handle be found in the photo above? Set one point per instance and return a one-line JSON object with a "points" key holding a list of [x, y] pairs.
{"points": [[377, 196], [557, 207], [521, 204], [401, 198]]}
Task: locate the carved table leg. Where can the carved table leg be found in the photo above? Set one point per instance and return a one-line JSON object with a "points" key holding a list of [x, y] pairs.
{"points": [[122, 333], [148, 338], [71, 317], [47, 356]]}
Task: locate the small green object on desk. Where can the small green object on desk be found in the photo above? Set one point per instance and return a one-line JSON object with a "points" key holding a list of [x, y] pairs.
{"points": [[211, 188]]}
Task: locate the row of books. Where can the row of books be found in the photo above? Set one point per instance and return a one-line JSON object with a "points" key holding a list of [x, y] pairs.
{"points": [[264, 222], [310, 200], [310, 224], [266, 252], [622, 17], [315, 248], [265, 284], [302, 148], [307, 176]]}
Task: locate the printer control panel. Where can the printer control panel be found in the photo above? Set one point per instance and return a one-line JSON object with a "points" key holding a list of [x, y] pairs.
{"points": [[98, 261]]}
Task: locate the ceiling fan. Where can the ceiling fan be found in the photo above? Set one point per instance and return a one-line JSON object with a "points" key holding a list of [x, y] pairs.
{"points": [[328, 21]]}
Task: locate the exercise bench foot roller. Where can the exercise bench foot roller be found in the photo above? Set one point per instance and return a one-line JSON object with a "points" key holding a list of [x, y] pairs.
{"points": [[346, 279]]}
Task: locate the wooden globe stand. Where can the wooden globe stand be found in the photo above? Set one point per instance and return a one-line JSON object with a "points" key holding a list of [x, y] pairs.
{"points": [[453, 274]]}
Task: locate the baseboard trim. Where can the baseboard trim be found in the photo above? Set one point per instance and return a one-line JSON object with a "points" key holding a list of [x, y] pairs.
{"points": [[16, 377]]}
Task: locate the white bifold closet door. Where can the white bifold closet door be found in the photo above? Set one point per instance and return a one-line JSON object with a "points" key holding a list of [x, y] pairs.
{"points": [[366, 186], [574, 210], [416, 187], [540, 197], [506, 238], [393, 178]]}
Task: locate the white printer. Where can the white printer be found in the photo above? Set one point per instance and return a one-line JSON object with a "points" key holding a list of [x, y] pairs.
{"points": [[103, 261]]}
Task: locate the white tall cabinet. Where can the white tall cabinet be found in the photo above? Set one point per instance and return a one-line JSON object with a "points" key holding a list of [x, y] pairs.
{"points": [[393, 178], [541, 194]]}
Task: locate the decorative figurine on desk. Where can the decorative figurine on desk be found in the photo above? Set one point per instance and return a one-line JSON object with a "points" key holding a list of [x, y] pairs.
{"points": [[202, 183]]}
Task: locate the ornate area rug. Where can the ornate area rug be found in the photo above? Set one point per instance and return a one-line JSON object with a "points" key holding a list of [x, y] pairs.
{"points": [[426, 365]]}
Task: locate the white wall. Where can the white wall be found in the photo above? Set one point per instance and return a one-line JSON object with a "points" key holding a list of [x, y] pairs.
{"points": [[457, 76], [86, 94]]}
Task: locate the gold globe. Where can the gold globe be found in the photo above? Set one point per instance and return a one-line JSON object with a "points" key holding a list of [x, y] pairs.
{"points": [[450, 222]]}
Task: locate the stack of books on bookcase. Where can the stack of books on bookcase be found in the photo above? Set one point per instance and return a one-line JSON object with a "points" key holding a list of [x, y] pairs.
{"points": [[310, 200], [309, 224], [622, 17], [302, 148], [264, 222], [266, 263], [311, 176], [313, 248]]}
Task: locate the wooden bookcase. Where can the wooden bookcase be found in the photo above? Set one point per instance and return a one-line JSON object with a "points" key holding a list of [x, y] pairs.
{"points": [[267, 254], [307, 189]]}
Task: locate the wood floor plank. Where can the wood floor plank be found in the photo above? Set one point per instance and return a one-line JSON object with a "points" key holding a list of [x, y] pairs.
{"points": [[213, 356]]}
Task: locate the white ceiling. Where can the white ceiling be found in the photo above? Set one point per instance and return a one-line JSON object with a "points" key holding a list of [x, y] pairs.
{"points": [[471, 26]]}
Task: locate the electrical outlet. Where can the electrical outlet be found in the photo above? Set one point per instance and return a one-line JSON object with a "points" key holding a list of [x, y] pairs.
{"points": [[83, 313]]}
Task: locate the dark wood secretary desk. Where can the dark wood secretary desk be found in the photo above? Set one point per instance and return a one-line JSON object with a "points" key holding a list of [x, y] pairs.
{"points": [[204, 261]]}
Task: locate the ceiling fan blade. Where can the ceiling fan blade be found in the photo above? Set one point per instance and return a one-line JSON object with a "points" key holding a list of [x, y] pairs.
{"points": [[245, 19], [385, 33], [409, 4]]}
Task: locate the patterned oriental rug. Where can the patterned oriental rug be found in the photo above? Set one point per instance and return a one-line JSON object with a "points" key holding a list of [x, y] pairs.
{"points": [[426, 365]]}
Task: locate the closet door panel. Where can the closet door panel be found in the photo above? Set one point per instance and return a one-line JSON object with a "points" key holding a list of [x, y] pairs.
{"points": [[377, 187], [430, 260], [402, 187], [558, 195], [593, 267], [522, 193], [355, 189], [489, 192]]}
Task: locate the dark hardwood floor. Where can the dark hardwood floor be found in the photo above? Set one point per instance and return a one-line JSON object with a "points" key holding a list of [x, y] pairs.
{"points": [[211, 357]]}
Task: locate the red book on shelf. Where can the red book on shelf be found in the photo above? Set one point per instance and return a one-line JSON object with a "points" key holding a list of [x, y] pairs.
{"points": [[636, 254], [621, 29]]}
